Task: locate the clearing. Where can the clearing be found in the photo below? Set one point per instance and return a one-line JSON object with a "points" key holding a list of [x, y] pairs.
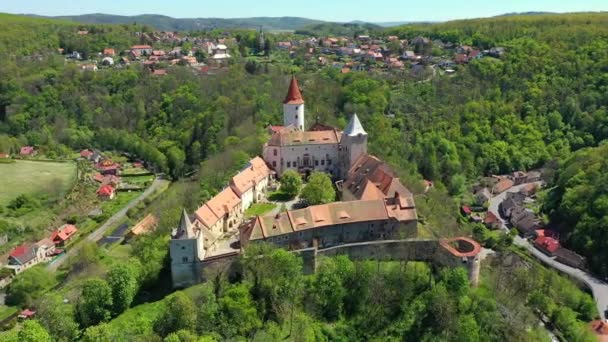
{"points": [[34, 177]]}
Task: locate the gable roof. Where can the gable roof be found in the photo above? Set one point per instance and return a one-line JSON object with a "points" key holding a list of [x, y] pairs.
{"points": [[331, 214], [293, 138], [221, 204], [369, 171], [105, 190], [294, 96], [64, 232], [146, 225], [23, 254], [354, 127], [254, 173]]}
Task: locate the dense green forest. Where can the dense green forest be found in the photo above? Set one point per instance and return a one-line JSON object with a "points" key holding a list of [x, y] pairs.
{"points": [[268, 298], [579, 204]]}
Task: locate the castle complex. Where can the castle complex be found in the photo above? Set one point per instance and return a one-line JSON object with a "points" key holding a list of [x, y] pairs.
{"points": [[375, 206]]}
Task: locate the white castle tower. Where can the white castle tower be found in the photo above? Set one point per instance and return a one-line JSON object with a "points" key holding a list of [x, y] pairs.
{"points": [[293, 106], [353, 145]]}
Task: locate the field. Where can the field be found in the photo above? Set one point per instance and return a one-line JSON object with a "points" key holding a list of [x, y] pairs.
{"points": [[31, 177]]}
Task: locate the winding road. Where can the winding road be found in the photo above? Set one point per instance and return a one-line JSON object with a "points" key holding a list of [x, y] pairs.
{"points": [[598, 287], [99, 232]]}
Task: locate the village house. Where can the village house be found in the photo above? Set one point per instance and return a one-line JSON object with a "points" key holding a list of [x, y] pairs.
{"points": [[27, 151], [139, 50], [220, 54], [482, 196], [511, 201], [64, 234], [491, 221], [145, 226], [106, 192], [26, 256], [109, 52], [502, 186], [107, 167], [524, 220]]}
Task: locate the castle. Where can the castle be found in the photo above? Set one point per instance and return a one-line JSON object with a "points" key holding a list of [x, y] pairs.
{"points": [[374, 206]]}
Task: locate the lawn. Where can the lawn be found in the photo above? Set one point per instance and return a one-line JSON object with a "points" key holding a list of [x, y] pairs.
{"points": [[259, 209], [34, 177]]}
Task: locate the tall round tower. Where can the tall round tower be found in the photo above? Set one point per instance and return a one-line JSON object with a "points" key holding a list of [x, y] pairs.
{"points": [[293, 106], [353, 145]]}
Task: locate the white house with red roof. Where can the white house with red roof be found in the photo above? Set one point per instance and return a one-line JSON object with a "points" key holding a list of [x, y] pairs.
{"points": [[106, 192]]}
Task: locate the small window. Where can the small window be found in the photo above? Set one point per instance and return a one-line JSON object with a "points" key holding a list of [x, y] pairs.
{"points": [[297, 109], [183, 247], [288, 164], [316, 163], [296, 116], [275, 152], [185, 259], [274, 163], [329, 162], [322, 161]]}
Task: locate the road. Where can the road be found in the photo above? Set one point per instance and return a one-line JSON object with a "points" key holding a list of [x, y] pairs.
{"points": [[99, 232], [598, 287]]}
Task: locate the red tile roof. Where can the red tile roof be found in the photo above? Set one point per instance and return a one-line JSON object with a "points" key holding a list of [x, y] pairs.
{"points": [[105, 190], [26, 150], [294, 96], [19, 251], [547, 243], [86, 153], [64, 233], [490, 218], [466, 210]]}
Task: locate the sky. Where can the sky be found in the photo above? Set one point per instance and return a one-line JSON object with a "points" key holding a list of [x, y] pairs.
{"points": [[330, 10]]}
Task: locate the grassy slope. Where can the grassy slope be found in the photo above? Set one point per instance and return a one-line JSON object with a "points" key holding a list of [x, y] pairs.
{"points": [[31, 177]]}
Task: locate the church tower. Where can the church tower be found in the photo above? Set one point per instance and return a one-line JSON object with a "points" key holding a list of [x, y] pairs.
{"points": [[353, 145], [293, 106]]}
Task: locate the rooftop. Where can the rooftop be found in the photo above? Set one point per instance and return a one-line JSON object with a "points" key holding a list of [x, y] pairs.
{"points": [[294, 96]]}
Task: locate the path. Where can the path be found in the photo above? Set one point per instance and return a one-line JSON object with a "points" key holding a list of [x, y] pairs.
{"points": [[597, 287], [99, 232]]}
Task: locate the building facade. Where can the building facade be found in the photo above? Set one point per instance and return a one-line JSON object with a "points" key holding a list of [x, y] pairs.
{"points": [[328, 149]]}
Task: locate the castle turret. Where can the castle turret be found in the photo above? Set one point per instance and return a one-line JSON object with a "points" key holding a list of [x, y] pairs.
{"points": [[353, 144], [293, 106]]}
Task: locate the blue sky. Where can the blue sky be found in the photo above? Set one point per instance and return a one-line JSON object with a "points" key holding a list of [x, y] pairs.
{"points": [[331, 10]]}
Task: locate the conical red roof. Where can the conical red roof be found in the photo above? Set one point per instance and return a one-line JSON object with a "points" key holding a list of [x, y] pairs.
{"points": [[294, 96]]}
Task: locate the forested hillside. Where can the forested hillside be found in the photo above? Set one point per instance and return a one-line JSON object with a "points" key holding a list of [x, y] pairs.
{"points": [[164, 23], [578, 205]]}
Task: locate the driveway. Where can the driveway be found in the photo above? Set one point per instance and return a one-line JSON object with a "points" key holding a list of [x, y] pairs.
{"points": [[99, 232], [598, 287]]}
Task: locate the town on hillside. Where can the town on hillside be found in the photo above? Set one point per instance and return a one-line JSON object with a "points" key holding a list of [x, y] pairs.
{"points": [[420, 57]]}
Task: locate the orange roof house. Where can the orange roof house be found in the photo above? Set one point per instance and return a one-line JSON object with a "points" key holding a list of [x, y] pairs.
{"points": [[63, 234], [249, 177], [109, 52], [146, 225], [106, 192]]}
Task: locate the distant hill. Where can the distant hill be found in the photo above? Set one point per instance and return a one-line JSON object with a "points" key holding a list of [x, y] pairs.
{"points": [[339, 29], [165, 23]]}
